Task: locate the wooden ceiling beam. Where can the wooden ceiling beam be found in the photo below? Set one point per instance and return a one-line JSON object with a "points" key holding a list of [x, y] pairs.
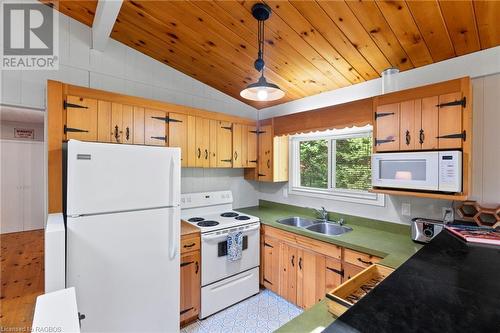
{"points": [[104, 20]]}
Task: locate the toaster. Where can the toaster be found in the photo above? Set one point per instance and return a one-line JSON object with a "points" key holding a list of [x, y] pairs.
{"points": [[423, 230]]}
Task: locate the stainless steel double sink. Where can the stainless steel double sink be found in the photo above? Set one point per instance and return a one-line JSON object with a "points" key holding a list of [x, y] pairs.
{"points": [[319, 226]]}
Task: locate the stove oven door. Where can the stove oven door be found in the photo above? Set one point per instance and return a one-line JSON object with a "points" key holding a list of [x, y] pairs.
{"points": [[214, 263]]}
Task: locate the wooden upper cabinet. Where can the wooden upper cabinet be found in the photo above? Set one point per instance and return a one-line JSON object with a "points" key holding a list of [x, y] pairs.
{"points": [[270, 263], [202, 139], [212, 151], [191, 141], [138, 131], [155, 127], [410, 125], [103, 121], [178, 135], [128, 124], [450, 121], [116, 123], [81, 118], [251, 146], [237, 146], [387, 127], [265, 172], [224, 144], [428, 132]]}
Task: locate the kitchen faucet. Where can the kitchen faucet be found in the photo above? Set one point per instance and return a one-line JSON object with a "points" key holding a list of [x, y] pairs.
{"points": [[322, 213]]}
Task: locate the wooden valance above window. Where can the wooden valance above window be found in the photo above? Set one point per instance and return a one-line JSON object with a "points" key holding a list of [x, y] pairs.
{"points": [[358, 113]]}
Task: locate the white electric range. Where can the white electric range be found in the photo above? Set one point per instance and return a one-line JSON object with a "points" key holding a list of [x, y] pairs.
{"points": [[223, 282]]}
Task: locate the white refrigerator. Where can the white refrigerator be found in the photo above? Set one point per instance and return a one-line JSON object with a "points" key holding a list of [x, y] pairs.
{"points": [[123, 234]]}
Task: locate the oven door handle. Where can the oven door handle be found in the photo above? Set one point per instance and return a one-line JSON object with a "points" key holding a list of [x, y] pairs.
{"points": [[224, 236]]}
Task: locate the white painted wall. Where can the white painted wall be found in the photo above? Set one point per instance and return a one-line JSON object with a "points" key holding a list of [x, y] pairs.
{"points": [[7, 130], [485, 168]]}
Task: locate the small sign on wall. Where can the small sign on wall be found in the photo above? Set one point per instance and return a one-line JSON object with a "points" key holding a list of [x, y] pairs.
{"points": [[24, 133]]}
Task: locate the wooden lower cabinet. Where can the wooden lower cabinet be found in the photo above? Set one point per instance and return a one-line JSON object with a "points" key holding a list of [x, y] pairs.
{"points": [[190, 279], [302, 270]]}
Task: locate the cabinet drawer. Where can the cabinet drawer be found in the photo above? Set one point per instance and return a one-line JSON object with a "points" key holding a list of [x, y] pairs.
{"points": [[190, 244], [348, 293], [359, 258]]}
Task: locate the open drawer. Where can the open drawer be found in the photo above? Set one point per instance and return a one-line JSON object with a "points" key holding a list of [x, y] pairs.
{"points": [[348, 293]]}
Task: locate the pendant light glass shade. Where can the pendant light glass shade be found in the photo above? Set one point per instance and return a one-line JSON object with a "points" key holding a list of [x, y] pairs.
{"points": [[262, 91]]}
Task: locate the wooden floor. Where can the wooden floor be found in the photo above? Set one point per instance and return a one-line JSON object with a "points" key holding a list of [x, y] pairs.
{"points": [[22, 278]]}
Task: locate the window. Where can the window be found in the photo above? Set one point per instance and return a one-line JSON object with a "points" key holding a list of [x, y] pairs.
{"points": [[334, 164]]}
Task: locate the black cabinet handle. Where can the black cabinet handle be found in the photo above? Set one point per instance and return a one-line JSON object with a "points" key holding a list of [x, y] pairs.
{"points": [[300, 263], [235, 155], [421, 137], [190, 245], [293, 263], [408, 137], [187, 263], [197, 268], [199, 152], [365, 262], [206, 154], [117, 135], [127, 133], [268, 164]]}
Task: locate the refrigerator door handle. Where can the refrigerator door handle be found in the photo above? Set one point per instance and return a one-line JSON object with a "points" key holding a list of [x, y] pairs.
{"points": [[172, 243]]}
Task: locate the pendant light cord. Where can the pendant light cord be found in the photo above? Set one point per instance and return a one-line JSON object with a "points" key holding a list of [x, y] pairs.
{"points": [[260, 36]]}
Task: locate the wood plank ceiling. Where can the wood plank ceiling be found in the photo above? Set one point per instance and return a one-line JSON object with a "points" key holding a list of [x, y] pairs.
{"points": [[311, 46]]}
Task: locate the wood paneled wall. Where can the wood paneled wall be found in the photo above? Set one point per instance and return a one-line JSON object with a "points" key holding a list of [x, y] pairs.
{"points": [[357, 113]]}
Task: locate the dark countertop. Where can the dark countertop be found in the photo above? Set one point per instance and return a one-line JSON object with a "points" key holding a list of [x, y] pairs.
{"points": [[448, 286]]}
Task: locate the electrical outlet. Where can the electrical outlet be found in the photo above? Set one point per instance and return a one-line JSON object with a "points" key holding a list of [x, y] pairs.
{"points": [[406, 209], [448, 214]]}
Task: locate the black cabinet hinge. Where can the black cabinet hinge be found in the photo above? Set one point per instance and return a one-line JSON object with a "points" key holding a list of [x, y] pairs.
{"points": [[340, 272], [383, 114], [163, 138], [74, 130], [268, 245], [462, 136], [261, 175], [253, 161], [184, 311], [229, 161], [71, 105], [230, 128], [187, 263], [381, 141], [461, 102], [168, 119], [266, 280]]}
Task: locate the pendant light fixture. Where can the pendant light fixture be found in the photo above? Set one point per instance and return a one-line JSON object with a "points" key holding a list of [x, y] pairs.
{"points": [[261, 90]]}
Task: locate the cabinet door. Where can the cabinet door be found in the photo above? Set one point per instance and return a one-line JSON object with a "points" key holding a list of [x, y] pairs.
{"points": [[191, 141], [224, 144], [279, 160], [252, 146], [12, 212], [407, 133], [81, 118], [190, 285], [33, 186], [237, 144], [333, 273], [450, 122], [213, 144], [202, 138], [116, 122], [270, 263], [428, 132], [265, 153], [155, 127], [311, 278], [387, 127], [350, 270], [103, 121], [288, 272], [178, 136], [128, 124], [244, 146], [138, 125]]}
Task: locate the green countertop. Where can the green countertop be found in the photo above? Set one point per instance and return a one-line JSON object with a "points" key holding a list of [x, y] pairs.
{"points": [[388, 240]]}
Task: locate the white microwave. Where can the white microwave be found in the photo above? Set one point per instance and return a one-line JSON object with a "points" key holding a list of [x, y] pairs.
{"points": [[429, 171]]}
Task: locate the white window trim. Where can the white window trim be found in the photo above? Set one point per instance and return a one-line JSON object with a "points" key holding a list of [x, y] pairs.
{"points": [[355, 196]]}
